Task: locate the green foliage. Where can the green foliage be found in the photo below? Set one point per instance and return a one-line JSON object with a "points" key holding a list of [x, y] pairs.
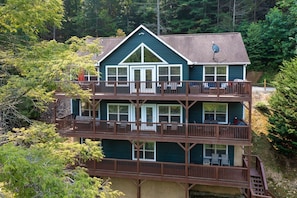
{"points": [[102, 17], [262, 108], [273, 40], [34, 162], [41, 69], [31, 17], [283, 121]]}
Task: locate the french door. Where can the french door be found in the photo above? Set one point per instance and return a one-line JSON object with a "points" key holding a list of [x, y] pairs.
{"points": [[147, 117], [143, 79]]}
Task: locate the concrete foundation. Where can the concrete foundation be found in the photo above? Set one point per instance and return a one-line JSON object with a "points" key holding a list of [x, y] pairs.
{"points": [[157, 189]]}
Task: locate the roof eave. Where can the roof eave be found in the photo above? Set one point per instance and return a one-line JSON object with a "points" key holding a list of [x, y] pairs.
{"points": [[222, 63]]}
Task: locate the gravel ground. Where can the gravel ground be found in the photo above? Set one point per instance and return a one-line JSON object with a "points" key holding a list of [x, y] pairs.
{"points": [[262, 89]]}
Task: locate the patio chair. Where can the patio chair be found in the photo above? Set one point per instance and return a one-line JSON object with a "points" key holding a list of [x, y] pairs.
{"points": [[174, 126], [123, 125], [164, 125], [111, 124], [215, 159], [173, 87], [225, 160], [205, 87], [164, 84]]}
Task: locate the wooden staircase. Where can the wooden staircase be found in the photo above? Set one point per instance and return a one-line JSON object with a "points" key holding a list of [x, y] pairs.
{"points": [[257, 185]]}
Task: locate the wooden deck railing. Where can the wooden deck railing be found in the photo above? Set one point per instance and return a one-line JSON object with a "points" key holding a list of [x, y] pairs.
{"points": [[177, 130], [189, 173], [236, 88]]}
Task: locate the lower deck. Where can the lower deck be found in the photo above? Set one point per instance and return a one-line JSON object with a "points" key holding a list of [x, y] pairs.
{"points": [[172, 172]]}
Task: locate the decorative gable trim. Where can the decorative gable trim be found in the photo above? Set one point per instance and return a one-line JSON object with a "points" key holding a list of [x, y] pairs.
{"points": [[142, 54]]}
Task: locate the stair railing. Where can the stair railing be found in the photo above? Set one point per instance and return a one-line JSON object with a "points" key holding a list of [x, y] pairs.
{"points": [[260, 169]]}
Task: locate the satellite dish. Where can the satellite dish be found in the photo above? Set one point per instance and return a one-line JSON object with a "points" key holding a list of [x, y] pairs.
{"points": [[215, 48]]}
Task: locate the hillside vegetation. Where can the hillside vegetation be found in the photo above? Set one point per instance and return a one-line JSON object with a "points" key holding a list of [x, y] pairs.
{"points": [[281, 173]]}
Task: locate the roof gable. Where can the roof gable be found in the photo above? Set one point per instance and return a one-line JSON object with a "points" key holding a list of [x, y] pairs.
{"points": [[140, 35]]}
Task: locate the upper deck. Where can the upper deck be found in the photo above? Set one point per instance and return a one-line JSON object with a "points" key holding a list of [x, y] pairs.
{"points": [[169, 91]]}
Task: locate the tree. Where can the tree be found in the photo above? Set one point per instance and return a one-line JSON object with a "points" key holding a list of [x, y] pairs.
{"points": [[37, 162], [41, 69], [34, 160], [273, 40], [283, 104], [30, 17]]}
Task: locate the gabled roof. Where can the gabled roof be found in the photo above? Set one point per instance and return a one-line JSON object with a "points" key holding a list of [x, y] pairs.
{"points": [[195, 48]]}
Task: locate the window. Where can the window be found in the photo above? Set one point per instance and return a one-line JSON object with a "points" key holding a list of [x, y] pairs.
{"points": [[147, 151], [86, 109], [118, 112], [84, 75], [215, 111], [215, 148], [143, 55], [169, 73], [93, 77], [117, 74], [170, 113], [215, 73]]}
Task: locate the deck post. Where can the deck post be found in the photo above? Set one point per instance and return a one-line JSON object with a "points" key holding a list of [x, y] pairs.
{"points": [[186, 191], [138, 188]]}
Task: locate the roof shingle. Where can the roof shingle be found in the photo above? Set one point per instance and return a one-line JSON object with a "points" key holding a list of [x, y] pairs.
{"points": [[197, 48]]}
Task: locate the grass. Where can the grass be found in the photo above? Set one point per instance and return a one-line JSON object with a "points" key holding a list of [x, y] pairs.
{"points": [[281, 173]]}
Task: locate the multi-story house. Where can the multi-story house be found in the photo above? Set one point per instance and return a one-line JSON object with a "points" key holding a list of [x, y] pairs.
{"points": [[173, 114]]}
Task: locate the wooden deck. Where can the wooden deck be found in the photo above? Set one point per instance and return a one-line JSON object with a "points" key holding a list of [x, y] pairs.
{"points": [[185, 90], [165, 132], [174, 172]]}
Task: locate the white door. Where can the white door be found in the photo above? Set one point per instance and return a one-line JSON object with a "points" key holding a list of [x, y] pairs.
{"points": [[147, 117], [144, 78]]}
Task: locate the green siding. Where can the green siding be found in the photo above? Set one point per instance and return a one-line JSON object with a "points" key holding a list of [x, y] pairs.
{"points": [[103, 110], [196, 73], [133, 42], [235, 109], [196, 154], [231, 154], [170, 152], [75, 107], [195, 113], [235, 71], [120, 149]]}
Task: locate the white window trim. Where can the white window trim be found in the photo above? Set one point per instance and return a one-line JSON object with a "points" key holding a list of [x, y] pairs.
{"points": [[117, 67], [209, 157], [169, 65], [74, 78], [203, 111], [216, 66], [122, 104], [142, 46], [181, 111], [97, 75], [143, 159]]}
